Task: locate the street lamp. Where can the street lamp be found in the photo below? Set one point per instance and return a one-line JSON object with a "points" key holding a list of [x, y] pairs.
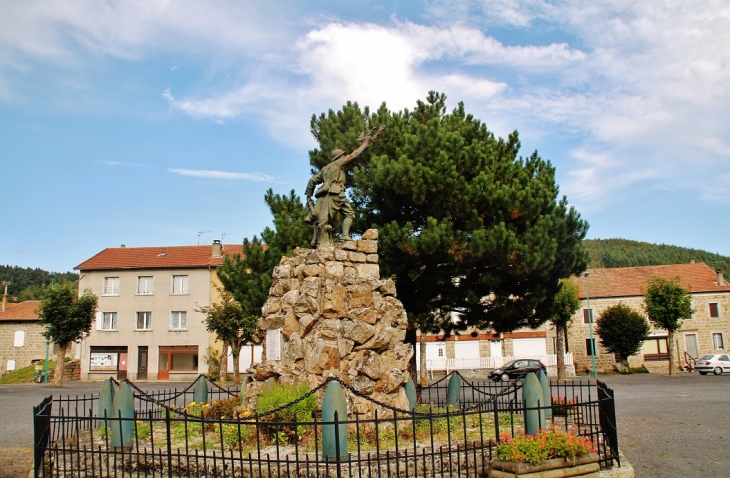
{"points": [[590, 327]]}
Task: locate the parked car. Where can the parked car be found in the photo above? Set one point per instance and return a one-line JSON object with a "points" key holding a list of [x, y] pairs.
{"points": [[715, 363], [516, 369]]}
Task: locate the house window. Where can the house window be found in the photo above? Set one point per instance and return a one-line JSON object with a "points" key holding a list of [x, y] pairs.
{"points": [[19, 338], [179, 358], [178, 320], [655, 348], [111, 286], [144, 320], [441, 352], [717, 341], [179, 284], [109, 321], [587, 316], [714, 310], [144, 285], [591, 347], [10, 365]]}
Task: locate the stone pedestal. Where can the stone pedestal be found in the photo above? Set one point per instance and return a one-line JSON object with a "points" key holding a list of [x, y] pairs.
{"points": [[332, 315]]}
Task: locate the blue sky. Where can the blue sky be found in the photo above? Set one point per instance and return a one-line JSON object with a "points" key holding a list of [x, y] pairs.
{"points": [[143, 122]]}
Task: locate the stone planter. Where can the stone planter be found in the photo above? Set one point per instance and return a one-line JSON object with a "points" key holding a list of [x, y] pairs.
{"points": [[586, 466]]}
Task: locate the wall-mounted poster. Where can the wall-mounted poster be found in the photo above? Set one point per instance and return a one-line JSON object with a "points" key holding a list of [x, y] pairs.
{"points": [[273, 344], [103, 361]]}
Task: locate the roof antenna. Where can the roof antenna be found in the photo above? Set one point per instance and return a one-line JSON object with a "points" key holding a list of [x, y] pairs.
{"points": [[200, 234], [223, 236]]}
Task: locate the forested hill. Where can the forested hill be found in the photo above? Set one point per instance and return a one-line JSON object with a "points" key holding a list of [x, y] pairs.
{"points": [[27, 284], [626, 253]]}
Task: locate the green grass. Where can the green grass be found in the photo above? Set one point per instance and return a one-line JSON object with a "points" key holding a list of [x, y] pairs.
{"points": [[23, 375]]}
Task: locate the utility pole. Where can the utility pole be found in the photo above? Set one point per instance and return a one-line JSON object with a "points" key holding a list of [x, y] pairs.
{"points": [[48, 340], [590, 327]]}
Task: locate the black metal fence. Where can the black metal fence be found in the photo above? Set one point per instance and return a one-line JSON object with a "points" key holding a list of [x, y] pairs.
{"points": [[173, 436]]}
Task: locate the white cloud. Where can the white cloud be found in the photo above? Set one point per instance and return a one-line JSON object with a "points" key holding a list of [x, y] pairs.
{"points": [[212, 174]]}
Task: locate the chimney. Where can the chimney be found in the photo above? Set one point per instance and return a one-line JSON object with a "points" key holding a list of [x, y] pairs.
{"points": [[123, 246], [720, 277], [5, 296], [692, 260], [216, 248]]}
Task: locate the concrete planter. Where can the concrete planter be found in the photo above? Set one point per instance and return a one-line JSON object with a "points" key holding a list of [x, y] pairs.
{"points": [[585, 466]]}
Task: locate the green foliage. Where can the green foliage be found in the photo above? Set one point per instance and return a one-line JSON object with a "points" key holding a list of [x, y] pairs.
{"points": [[69, 317], [24, 375], [549, 444], [452, 201], [666, 302], [566, 303], [622, 330], [32, 284], [627, 253], [212, 357], [281, 394]]}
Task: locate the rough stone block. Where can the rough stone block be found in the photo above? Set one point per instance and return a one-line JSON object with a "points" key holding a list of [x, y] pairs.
{"points": [[371, 258], [334, 269], [370, 235], [271, 306], [368, 247], [282, 271], [356, 257], [367, 271]]}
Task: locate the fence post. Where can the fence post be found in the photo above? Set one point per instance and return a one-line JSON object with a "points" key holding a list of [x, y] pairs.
{"points": [[200, 394], [411, 393], [122, 417], [532, 398], [41, 433], [106, 398], [453, 391], [546, 401], [334, 437], [607, 418]]}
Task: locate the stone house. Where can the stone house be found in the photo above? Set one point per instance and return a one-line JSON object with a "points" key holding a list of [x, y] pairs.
{"points": [[705, 332], [147, 327], [21, 335]]}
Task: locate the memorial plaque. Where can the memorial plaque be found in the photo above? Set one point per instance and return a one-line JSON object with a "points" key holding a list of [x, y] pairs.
{"points": [[273, 344]]}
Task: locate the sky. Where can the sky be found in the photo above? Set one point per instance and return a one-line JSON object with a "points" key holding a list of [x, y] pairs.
{"points": [[164, 122]]}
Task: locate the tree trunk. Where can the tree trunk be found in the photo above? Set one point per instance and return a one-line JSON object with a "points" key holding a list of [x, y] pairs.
{"points": [[565, 334], [58, 374], [224, 365], [424, 372], [625, 364], [236, 351], [560, 355], [411, 340], [670, 351]]}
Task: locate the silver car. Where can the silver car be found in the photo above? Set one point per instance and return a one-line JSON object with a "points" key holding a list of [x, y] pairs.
{"points": [[715, 363]]}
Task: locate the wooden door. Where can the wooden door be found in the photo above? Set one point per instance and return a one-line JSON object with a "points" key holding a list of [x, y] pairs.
{"points": [[122, 367], [163, 373], [142, 363]]}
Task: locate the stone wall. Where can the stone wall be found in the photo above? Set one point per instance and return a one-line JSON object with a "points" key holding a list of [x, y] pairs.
{"points": [[337, 319], [34, 346]]}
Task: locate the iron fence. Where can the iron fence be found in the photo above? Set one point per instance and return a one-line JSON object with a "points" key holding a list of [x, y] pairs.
{"points": [[171, 436]]}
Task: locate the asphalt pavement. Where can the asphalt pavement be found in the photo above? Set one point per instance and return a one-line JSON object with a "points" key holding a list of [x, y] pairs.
{"points": [[668, 426]]}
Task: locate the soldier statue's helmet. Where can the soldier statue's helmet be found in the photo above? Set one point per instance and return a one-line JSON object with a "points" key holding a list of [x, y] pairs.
{"points": [[336, 153]]}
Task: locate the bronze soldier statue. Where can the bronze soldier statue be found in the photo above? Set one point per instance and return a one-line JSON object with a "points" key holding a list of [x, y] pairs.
{"points": [[331, 197]]}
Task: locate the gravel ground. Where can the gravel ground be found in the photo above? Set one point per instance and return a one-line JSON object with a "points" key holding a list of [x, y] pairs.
{"points": [[668, 426]]}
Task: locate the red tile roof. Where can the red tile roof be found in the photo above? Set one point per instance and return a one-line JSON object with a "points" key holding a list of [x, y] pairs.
{"points": [[631, 281], [157, 257], [21, 311]]}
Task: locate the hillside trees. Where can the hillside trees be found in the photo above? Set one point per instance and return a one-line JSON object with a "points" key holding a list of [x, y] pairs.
{"points": [[69, 318], [666, 303], [622, 330], [466, 225]]}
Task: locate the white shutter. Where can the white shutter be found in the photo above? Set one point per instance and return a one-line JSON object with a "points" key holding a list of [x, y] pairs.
{"points": [[19, 338], [99, 321]]}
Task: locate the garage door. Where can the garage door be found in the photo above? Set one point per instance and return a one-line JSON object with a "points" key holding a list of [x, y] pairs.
{"points": [[529, 347]]}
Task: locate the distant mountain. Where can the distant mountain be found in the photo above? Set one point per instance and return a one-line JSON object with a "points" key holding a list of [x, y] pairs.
{"points": [[610, 253], [27, 283]]}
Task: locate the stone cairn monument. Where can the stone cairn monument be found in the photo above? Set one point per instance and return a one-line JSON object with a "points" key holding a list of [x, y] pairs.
{"points": [[330, 315]]}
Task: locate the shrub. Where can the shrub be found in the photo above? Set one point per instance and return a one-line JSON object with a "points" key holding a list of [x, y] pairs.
{"points": [[550, 443], [223, 409], [281, 394]]}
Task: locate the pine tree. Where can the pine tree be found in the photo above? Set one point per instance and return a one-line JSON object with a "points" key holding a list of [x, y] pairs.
{"points": [[465, 224]]}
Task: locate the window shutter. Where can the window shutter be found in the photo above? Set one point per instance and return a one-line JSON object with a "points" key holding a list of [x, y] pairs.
{"points": [[99, 321], [19, 338]]}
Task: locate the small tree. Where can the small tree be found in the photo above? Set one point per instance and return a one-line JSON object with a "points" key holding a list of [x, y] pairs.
{"points": [[622, 330], [666, 303], [565, 305], [69, 319], [232, 326]]}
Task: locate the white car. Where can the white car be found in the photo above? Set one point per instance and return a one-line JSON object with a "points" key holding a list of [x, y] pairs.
{"points": [[715, 363]]}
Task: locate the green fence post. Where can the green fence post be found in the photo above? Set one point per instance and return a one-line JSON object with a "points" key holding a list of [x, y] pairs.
{"points": [[106, 398], [122, 417], [454, 390], [200, 393], [547, 401], [532, 398], [411, 393], [334, 402]]}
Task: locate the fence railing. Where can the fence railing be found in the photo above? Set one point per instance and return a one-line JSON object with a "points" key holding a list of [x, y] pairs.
{"points": [[479, 363], [433, 440]]}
